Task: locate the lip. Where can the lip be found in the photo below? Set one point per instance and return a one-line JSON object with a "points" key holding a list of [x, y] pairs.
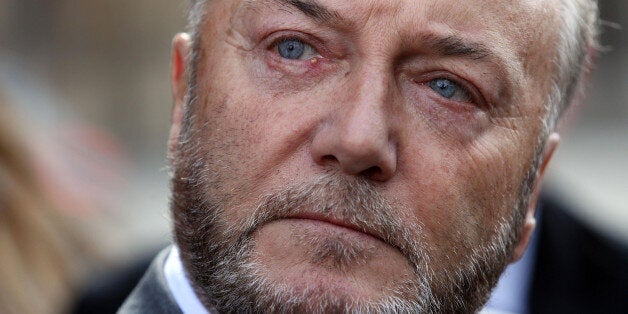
{"points": [[338, 223]]}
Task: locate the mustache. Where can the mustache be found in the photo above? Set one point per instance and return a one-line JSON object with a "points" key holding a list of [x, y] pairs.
{"points": [[353, 201]]}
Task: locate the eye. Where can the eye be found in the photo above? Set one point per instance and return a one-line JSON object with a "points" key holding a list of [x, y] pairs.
{"points": [[450, 89], [295, 49]]}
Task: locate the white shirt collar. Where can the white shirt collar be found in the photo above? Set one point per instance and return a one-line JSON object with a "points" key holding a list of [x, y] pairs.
{"points": [[180, 286], [511, 293]]}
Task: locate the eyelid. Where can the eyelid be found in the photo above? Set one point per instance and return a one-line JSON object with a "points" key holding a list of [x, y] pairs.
{"points": [[275, 38]]}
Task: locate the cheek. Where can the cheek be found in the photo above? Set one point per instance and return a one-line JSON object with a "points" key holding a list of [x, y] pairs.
{"points": [[254, 143], [460, 193]]}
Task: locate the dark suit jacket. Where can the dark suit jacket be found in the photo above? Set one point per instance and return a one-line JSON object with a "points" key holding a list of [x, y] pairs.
{"points": [[152, 294], [577, 270]]}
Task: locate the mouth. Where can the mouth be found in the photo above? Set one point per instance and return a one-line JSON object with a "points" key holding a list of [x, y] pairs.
{"points": [[342, 225]]}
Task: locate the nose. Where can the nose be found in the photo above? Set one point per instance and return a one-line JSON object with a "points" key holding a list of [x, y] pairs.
{"points": [[356, 138]]}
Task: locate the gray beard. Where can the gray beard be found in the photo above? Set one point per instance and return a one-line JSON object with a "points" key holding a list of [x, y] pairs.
{"points": [[218, 255]]}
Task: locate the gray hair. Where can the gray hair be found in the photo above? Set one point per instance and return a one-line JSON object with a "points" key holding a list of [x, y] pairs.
{"points": [[577, 46], [196, 15], [578, 42]]}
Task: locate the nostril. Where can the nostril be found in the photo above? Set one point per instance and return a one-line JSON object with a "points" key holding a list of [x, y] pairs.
{"points": [[372, 173], [329, 158]]}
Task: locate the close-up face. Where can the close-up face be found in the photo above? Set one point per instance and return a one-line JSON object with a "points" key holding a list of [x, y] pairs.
{"points": [[343, 155]]}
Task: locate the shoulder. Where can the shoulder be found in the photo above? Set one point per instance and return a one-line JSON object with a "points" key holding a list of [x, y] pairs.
{"points": [[152, 294]]}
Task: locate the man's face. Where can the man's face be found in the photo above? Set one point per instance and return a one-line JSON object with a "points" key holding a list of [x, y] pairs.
{"points": [[345, 154]]}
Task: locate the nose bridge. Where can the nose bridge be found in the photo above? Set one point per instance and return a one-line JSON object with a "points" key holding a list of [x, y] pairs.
{"points": [[372, 84], [364, 119], [357, 135]]}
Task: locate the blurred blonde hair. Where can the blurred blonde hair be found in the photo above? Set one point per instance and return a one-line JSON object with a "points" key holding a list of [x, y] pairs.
{"points": [[41, 255]]}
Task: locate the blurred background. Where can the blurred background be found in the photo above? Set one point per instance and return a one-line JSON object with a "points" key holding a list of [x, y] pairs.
{"points": [[87, 87]]}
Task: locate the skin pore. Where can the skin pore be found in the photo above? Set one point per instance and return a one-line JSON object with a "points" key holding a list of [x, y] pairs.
{"points": [[363, 155]]}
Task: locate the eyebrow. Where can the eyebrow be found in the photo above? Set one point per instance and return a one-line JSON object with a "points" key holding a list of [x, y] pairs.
{"points": [[314, 11], [455, 46]]}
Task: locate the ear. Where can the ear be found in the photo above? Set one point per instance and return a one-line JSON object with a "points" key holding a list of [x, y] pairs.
{"points": [[179, 84], [530, 221]]}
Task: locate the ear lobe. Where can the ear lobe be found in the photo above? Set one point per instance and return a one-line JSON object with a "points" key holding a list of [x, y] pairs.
{"points": [[530, 221], [181, 45]]}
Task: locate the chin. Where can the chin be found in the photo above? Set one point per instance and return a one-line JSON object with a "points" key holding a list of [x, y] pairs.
{"points": [[318, 291]]}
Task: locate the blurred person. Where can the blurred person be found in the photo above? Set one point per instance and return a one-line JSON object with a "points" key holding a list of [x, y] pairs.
{"points": [[71, 177], [42, 256], [363, 157], [62, 181]]}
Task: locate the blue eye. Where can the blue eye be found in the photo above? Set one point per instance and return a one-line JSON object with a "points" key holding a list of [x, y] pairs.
{"points": [[291, 48], [295, 49], [449, 89]]}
